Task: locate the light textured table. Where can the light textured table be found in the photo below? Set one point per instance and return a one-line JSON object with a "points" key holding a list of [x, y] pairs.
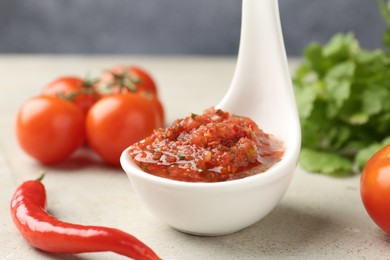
{"points": [[319, 217]]}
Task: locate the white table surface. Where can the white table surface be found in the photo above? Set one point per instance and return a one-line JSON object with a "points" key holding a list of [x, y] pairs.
{"points": [[319, 218]]}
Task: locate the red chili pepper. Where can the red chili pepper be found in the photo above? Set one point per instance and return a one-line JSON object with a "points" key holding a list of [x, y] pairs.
{"points": [[43, 231]]}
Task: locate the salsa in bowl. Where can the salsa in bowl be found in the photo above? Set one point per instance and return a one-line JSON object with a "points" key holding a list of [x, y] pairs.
{"points": [[209, 174], [211, 147]]}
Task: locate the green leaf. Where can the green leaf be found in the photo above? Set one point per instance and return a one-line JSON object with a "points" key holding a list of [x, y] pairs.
{"points": [[338, 136], [301, 73], [314, 58], [305, 98], [316, 126], [341, 47], [358, 119], [380, 123], [385, 10], [338, 81], [371, 57], [386, 38], [326, 163], [372, 100], [365, 154], [343, 97], [339, 91], [344, 70]]}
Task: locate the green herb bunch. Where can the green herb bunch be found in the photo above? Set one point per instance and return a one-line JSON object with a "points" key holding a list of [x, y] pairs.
{"points": [[343, 96]]}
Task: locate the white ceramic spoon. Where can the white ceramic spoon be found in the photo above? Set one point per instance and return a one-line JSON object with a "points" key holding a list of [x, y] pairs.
{"points": [[261, 89]]}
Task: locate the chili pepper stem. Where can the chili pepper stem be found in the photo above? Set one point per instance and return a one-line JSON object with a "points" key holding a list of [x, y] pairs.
{"points": [[41, 176]]}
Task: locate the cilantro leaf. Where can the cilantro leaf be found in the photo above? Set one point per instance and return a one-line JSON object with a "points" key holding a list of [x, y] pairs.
{"points": [[324, 162], [343, 94]]}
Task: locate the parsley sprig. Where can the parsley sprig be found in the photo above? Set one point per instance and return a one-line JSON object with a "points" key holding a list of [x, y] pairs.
{"points": [[343, 96]]}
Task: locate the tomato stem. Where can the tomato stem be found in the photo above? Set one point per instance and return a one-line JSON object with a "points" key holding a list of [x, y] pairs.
{"points": [[124, 81]]}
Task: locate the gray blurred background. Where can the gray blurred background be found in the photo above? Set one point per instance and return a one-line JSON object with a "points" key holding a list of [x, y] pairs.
{"points": [[172, 26]]}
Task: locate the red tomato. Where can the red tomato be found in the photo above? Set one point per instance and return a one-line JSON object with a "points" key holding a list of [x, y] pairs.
{"points": [[74, 89], [157, 106], [116, 122], [160, 111], [375, 188], [144, 80], [124, 79], [50, 129]]}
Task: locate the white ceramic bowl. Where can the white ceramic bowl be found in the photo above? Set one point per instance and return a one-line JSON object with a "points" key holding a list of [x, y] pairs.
{"points": [[261, 89], [210, 208]]}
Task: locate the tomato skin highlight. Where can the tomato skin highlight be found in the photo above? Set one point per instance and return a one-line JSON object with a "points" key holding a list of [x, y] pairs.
{"points": [[117, 121], [50, 129], [375, 188]]}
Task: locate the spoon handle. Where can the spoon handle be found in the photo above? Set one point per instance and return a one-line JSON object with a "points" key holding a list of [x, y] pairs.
{"points": [[262, 74]]}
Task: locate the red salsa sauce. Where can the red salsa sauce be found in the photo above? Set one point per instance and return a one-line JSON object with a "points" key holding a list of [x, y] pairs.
{"points": [[212, 147]]}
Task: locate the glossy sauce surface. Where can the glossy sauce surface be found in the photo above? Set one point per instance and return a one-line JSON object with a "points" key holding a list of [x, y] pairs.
{"points": [[212, 147]]}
